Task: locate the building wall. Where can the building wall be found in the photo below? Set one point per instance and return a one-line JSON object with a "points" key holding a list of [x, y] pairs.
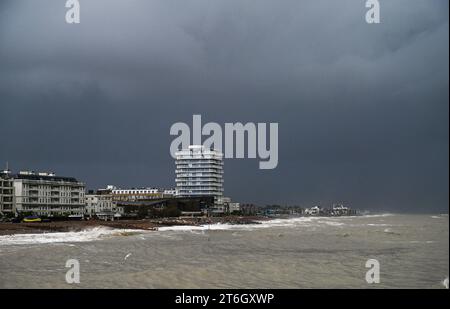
{"points": [[233, 207], [48, 195], [99, 203], [141, 194], [6, 194], [199, 172], [91, 201]]}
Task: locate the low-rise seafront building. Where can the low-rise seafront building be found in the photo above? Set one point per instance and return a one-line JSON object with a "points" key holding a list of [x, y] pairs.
{"points": [[48, 194], [101, 204], [110, 203], [135, 194], [6, 192]]}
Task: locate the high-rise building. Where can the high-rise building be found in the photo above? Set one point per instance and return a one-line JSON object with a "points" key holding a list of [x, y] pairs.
{"points": [[199, 172]]}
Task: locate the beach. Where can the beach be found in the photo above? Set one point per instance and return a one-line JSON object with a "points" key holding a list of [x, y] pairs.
{"points": [[7, 228]]}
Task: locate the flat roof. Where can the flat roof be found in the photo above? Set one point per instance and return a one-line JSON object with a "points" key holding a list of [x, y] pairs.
{"points": [[47, 178]]}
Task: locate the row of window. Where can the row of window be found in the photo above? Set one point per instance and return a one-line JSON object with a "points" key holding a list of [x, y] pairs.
{"points": [[53, 200]]}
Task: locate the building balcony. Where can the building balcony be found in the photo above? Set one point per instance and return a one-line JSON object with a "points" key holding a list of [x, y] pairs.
{"points": [[197, 171], [190, 179]]}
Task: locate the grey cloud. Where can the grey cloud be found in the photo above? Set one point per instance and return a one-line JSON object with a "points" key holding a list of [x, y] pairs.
{"points": [[362, 109]]}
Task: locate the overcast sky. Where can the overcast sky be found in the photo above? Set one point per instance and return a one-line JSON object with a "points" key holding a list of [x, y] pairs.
{"points": [[362, 109]]}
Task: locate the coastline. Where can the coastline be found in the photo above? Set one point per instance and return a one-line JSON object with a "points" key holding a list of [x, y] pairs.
{"points": [[7, 228]]}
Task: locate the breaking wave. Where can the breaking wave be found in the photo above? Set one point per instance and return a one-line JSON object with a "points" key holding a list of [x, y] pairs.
{"points": [[302, 221], [104, 232], [378, 215], [445, 283], [61, 237]]}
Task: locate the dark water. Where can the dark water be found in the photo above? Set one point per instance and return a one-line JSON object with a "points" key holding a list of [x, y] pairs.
{"points": [[413, 252]]}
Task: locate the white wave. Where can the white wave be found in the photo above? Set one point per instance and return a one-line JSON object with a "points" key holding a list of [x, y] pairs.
{"points": [[378, 224], [421, 241], [390, 231], [63, 237], [101, 232], [301, 221], [191, 228], [332, 223], [445, 283], [437, 217], [378, 215]]}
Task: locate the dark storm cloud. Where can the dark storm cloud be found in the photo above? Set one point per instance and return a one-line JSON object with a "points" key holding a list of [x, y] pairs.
{"points": [[362, 109]]}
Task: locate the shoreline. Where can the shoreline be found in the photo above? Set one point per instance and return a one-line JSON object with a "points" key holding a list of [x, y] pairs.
{"points": [[8, 228]]}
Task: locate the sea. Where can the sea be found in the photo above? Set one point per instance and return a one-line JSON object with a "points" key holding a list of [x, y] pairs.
{"points": [[410, 251]]}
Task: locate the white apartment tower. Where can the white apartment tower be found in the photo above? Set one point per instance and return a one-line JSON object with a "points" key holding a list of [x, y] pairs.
{"points": [[199, 172]]}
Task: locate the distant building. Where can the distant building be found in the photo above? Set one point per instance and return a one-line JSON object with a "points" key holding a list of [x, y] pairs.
{"points": [[248, 209], [313, 211], [224, 204], [170, 192], [234, 207], [6, 192], [188, 206], [199, 172], [136, 194], [339, 210], [48, 194], [101, 204], [99, 201]]}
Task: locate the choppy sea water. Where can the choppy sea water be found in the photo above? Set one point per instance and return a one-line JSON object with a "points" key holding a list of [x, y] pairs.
{"points": [[413, 252]]}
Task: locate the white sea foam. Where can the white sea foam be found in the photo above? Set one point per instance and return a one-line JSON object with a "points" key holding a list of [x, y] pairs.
{"points": [[62, 237], [378, 215], [102, 232], [436, 217], [332, 223], [191, 228], [301, 221], [445, 283]]}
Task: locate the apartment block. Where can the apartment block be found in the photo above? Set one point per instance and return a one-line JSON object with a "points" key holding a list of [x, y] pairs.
{"points": [[48, 194], [199, 172]]}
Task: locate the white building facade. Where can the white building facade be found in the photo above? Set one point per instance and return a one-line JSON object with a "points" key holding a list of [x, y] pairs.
{"points": [[136, 194], [199, 172], [48, 194], [6, 193], [102, 204]]}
